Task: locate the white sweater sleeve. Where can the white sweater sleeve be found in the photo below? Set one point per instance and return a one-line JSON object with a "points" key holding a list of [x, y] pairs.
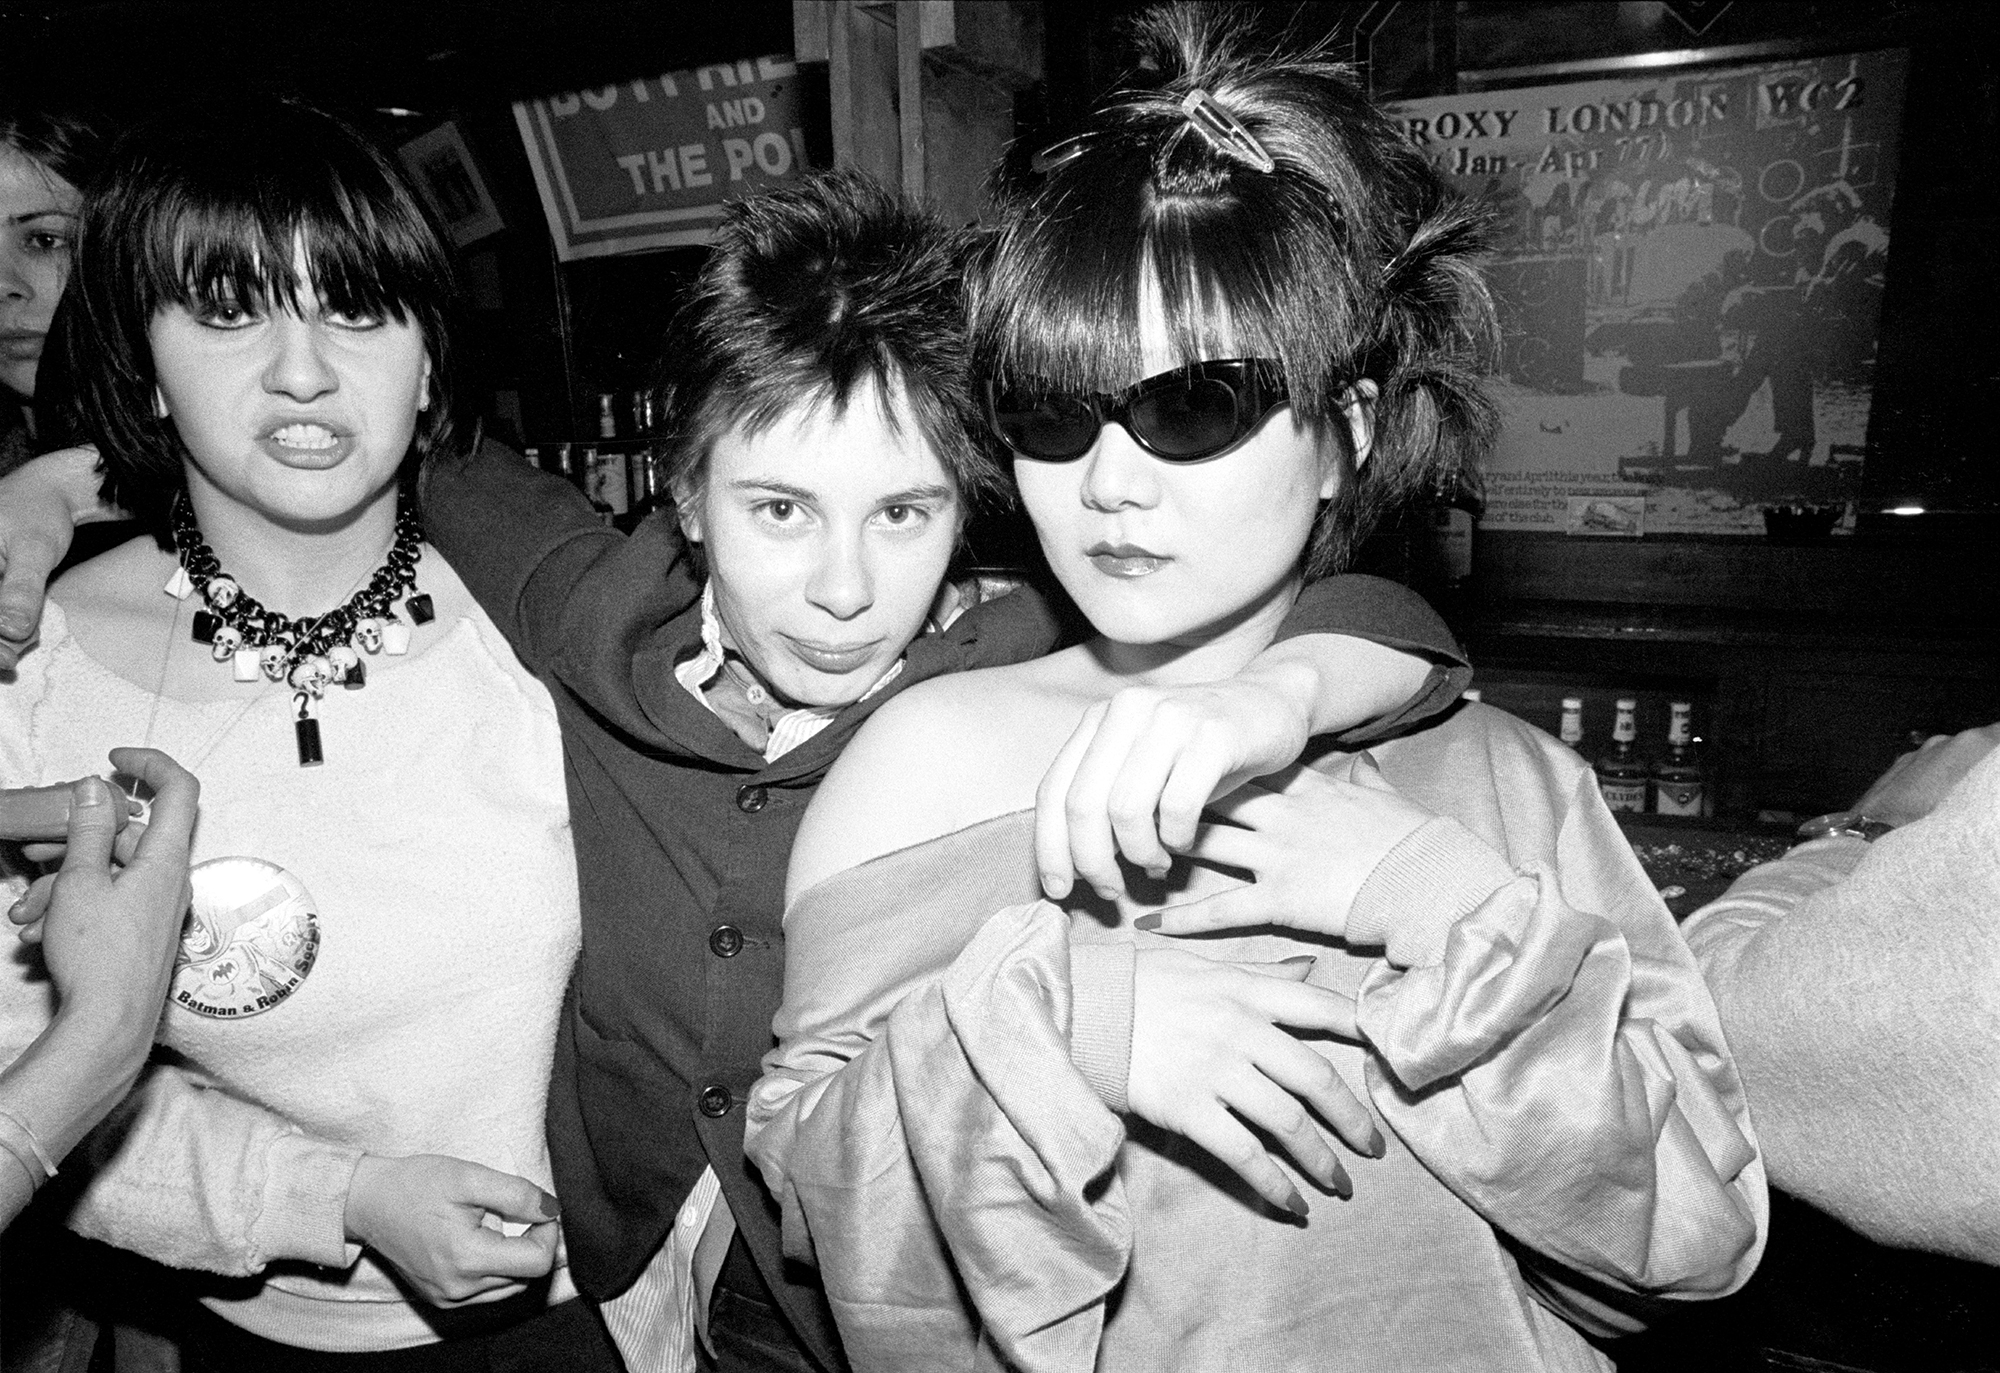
{"points": [[188, 1175]]}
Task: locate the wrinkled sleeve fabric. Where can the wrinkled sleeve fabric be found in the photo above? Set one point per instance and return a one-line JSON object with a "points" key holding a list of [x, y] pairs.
{"points": [[924, 1128], [190, 1176], [1543, 1042], [1859, 985]]}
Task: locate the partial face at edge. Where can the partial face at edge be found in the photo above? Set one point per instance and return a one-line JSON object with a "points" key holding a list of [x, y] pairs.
{"points": [[37, 230], [827, 536], [1155, 552]]}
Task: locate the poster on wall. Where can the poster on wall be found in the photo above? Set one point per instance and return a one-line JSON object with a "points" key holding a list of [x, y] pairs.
{"points": [[448, 179], [1689, 267], [650, 163]]}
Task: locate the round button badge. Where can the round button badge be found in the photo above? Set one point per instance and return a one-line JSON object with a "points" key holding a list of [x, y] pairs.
{"points": [[250, 939]]}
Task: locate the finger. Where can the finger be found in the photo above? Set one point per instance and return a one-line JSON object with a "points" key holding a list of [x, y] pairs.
{"points": [[1196, 778], [22, 586], [1310, 1078], [28, 813], [33, 904], [1226, 1137], [1239, 908], [1232, 846], [1155, 757], [1279, 1114], [45, 853], [125, 847], [1302, 1007], [176, 803], [93, 823], [1053, 847], [1087, 809], [505, 1195], [490, 1255]]}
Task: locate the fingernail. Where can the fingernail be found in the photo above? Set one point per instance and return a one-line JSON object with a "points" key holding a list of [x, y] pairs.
{"points": [[1106, 894], [1157, 874], [15, 909], [1296, 1204], [90, 791], [1053, 887], [1298, 959], [550, 1210], [1147, 922], [1343, 1186], [1377, 1146]]}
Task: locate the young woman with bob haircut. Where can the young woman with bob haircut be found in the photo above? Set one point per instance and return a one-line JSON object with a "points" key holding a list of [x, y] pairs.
{"points": [[1223, 327], [344, 1134]]}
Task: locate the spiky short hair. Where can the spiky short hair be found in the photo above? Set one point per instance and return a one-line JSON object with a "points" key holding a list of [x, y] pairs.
{"points": [[811, 292], [1351, 258]]}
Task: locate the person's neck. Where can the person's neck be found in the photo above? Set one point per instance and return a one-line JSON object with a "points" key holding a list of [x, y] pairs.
{"points": [[1215, 654], [295, 570]]}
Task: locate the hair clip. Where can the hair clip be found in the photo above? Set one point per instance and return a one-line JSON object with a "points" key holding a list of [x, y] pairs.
{"points": [[1224, 132], [1059, 154]]}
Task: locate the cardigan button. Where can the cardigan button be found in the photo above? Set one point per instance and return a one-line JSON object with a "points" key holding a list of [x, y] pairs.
{"points": [[750, 800], [714, 1100], [725, 941]]}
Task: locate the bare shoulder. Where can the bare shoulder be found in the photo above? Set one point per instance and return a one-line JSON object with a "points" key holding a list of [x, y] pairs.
{"points": [[947, 753]]}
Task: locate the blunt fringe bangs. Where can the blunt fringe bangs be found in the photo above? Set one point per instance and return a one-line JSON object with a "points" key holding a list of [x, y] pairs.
{"points": [[213, 206], [1351, 259], [812, 292]]}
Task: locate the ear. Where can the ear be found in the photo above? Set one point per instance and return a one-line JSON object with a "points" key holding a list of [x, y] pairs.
{"points": [[1357, 407], [159, 404], [687, 507], [424, 387]]}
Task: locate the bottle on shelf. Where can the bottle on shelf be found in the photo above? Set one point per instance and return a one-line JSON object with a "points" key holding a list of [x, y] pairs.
{"points": [[1450, 519], [1621, 772], [1572, 722], [607, 415], [1677, 779], [604, 481]]}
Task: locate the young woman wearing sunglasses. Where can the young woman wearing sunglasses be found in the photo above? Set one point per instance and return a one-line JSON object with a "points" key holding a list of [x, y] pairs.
{"points": [[1226, 326]]}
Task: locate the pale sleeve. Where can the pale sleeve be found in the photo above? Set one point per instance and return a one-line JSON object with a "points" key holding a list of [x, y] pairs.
{"points": [[923, 1128], [1543, 1042], [188, 1175], [1859, 985]]}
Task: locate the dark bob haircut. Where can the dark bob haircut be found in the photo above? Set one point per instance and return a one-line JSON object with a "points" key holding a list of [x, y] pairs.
{"points": [[815, 290], [1348, 259], [211, 205]]}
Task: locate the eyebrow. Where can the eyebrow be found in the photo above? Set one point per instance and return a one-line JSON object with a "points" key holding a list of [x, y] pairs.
{"points": [[32, 215], [912, 495]]}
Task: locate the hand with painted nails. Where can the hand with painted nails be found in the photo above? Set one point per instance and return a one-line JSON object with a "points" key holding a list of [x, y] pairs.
{"points": [[41, 504], [1310, 840], [1210, 1060], [1917, 781], [444, 1223]]}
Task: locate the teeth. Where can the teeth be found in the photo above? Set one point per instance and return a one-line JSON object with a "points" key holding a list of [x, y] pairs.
{"points": [[306, 436]]}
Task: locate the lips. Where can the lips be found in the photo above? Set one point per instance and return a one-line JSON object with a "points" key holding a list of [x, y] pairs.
{"points": [[306, 443], [1127, 560], [21, 345], [836, 659]]}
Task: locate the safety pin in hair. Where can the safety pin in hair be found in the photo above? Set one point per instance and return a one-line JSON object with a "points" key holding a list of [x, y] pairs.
{"points": [[1060, 154], [1224, 132]]}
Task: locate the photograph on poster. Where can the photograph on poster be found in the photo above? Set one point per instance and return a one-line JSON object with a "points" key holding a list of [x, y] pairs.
{"points": [[446, 176], [1689, 266]]}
